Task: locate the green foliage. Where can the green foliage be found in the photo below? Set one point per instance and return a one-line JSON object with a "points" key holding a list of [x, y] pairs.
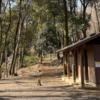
{"points": [[3, 67], [30, 61], [48, 39], [42, 27], [30, 53], [49, 18]]}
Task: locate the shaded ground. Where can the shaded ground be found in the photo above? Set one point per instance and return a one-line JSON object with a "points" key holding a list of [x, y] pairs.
{"points": [[24, 86]]}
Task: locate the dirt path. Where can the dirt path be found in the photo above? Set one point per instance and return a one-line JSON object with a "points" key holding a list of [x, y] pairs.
{"points": [[20, 88], [24, 86]]}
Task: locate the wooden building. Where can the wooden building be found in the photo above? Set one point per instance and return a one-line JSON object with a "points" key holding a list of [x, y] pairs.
{"points": [[85, 60]]}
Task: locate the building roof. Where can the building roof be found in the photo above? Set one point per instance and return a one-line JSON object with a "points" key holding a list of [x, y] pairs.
{"points": [[79, 43]]}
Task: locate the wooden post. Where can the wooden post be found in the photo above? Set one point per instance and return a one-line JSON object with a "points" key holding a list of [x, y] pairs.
{"points": [[76, 65], [82, 69], [74, 76], [64, 63], [68, 65], [86, 66]]}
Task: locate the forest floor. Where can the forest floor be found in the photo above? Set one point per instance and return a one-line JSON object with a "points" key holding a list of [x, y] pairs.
{"points": [[24, 86]]}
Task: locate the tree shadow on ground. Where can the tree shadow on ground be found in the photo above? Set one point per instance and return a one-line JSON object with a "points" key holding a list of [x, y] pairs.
{"points": [[3, 99], [44, 75], [16, 78], [62, 92], [65, 88], [60, 97]]}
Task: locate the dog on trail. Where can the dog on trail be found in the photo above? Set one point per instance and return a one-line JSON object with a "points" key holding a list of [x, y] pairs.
{"points": [[39, 82]]}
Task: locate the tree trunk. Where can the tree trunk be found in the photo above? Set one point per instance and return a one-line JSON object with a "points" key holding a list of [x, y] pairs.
{"points": [[0, 37], [0, 23], [6, 36], [16, 49], [15, 58], [84, 19], [14, 46], [66, 39], [17, 45], [97, 17], [0, 5], [1, 57], [62, 41], [15, 40], [6, 74], [6, 32], [58, 56], [41, 57], [21, 57], [84, 3]]}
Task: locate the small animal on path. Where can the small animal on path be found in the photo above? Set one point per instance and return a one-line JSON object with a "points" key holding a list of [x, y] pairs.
{"points": [[39, 82]]}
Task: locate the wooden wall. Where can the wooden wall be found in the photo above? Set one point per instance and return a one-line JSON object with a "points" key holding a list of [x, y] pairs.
{"points": [[79, 64], [97, 59], [91, 67]]}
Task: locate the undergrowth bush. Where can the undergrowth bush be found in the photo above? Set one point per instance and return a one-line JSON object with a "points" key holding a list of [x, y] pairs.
{"points": [[30, 61], [3, 66]]}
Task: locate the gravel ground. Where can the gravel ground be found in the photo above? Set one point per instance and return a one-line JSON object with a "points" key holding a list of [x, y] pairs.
{"points": [[53, 88]]}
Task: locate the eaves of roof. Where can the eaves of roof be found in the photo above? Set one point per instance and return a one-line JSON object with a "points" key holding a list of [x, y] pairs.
{"points": [[78, 43]]}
